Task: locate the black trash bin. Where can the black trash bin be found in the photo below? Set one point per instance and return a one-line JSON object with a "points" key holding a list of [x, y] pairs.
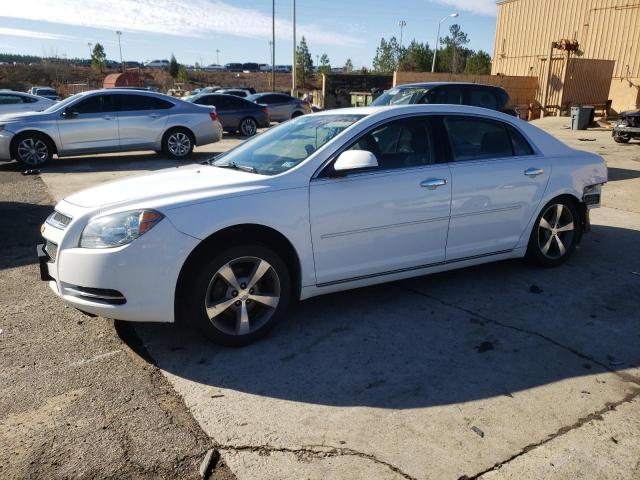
{"points": [[581, 117]]}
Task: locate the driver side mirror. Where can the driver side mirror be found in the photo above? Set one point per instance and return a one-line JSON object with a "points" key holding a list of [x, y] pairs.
{"points": [[355, 160], [70, 112]]}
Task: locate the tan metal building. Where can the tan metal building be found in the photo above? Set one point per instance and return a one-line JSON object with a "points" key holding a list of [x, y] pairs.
{"points": [[608, 55]]}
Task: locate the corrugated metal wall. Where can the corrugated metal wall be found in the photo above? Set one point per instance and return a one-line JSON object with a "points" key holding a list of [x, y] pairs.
{"points": [[587, 81], [605, 29]]}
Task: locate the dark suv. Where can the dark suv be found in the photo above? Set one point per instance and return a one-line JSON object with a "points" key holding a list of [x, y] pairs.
{"points": [[474, 94], [627, 127]]}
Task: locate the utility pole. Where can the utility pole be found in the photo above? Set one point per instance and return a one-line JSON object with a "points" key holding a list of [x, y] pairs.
{"points": [[293, 67], [401, 24], [217, 56], [273, 45], [119, 33], [433, 65], [90, 50]]}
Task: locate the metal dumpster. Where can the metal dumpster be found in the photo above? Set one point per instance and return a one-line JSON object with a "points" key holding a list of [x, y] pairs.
{"points": [[581, 117]]}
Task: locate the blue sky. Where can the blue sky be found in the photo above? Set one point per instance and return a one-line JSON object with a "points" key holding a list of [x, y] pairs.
{"points": [[194, 29]]}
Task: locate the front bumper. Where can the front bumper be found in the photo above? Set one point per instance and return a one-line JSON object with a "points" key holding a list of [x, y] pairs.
{"points": [[135, 282], [5, 144], [625, 129]]}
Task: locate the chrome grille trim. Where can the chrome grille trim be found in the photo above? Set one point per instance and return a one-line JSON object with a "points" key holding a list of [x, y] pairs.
{"points": [[52, 250]]}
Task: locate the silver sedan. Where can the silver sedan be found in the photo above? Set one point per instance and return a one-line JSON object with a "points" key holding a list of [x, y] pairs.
{"points": [[111, 120]]}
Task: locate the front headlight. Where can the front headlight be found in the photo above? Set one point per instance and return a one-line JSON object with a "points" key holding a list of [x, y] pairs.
{"points": [[118, 229]]}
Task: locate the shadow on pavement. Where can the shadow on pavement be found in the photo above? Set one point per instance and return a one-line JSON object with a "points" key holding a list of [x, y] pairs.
{"points": [[20, 232], [447, 338], [616, 174]]}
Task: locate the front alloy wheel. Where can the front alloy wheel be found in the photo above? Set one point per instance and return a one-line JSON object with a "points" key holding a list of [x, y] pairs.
{"points": [[33, 151], [555, 234], [239, 294], [248, 127]]}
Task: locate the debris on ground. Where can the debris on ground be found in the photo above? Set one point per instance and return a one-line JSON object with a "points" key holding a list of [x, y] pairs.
{"points": [[208, 462], [587, 139], [535, 289], [31, 171], [478, 431]]}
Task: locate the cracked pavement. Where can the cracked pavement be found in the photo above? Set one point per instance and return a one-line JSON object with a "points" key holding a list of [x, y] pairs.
{"points": [[493, 372]]}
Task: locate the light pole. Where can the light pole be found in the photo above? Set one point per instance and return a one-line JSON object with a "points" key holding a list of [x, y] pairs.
{"points": [[90, 51], [119, 33], [217, 56], [433, 65], [293, 67], [273, 45], [401, 24]]}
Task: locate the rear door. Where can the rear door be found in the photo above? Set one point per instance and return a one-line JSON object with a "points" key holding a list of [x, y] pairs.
{"points": [[280, 106], [141, 120], [225, 115], [498, 182], [90, 125]]}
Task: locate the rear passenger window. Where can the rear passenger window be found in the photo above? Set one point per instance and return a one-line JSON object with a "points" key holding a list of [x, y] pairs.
{"points": [[399, 144], [484, 98], [476, 138], [159, 104], [520, 145], [445, 95]]}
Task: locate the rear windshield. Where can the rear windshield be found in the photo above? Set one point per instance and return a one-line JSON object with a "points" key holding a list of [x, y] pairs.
{"points": [[401, 96]]}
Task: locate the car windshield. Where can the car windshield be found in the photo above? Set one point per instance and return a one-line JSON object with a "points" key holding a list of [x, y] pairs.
{"points": [[400, 96], [287, 145], [63, 104]]}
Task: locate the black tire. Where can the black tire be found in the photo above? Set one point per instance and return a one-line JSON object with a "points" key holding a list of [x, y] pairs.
{"points": [[208, 290], [248, 127], [178, 143], [552, 241], [621, 138], [32, 149], [297, 114]]}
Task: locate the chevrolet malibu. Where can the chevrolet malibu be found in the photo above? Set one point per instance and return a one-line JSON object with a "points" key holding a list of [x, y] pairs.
{"points": [[325, 202], [113, 120]]}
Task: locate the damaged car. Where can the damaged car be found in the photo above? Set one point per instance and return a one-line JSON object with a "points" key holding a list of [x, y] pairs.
{"points": [[627, 127]]}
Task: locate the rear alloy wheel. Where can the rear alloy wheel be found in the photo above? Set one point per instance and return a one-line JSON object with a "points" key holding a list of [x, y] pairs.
{"points": [[33, 150], [178, 144], [239, 295], [620, 138], [555, 233], [248, 127]]}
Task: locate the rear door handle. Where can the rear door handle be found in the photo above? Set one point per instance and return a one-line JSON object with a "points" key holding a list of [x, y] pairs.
{"points": [[154, 115], [433, 183], [108, 117], [533, 172]]}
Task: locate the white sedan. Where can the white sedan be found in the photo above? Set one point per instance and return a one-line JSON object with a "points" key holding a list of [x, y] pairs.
{"points": [[326, 202], [15, 102]]}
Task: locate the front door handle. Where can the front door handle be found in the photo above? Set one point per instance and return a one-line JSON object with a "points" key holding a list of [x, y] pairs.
{"points": [[108, 117], [533, 172], [154, 115], [433, 183]]}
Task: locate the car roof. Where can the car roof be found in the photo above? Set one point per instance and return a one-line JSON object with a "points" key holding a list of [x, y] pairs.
{"points": [[439, 84]]}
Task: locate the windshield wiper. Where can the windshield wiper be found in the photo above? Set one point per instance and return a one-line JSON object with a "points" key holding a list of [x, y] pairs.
{"points": [[235, 166]]}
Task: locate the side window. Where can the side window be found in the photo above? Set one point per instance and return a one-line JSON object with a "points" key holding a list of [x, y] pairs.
{"points": [[446, 95], [131, 103], [236, 103], [268, 99], [159, 104], [90, 105], [474, 138], [28, 99], [399, 144], [482, 97], [219, 101], [10, 99], [520, 145]]}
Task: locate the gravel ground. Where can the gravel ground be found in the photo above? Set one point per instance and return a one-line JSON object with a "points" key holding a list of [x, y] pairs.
{"points": [[75, 400]]}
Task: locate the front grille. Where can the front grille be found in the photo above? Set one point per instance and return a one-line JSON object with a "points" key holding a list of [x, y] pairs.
{"points": [[52, 250], [59, 220]]}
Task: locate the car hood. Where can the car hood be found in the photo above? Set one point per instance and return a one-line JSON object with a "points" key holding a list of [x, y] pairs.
{"points": [[170, 187], [17, 117], [630, 113]]}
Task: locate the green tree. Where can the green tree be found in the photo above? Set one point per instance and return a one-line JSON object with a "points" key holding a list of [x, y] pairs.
{"points": [[304, 63], [454, 55], [417, 57], [478, 63], [325, 64], [348, 66], [173, 66], [98, 57], [387, 55], [183, 76]]}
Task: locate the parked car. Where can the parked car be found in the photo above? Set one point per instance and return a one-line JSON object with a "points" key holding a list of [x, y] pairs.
{"points": [[12, 102], [282, 107], [157, 64], [453, 93], [326, 202], [108, 120], [46, 92], [283, 68], [250, 67], [235, 114], [233, 67], [238, 92], [627, 126], [214, 67]]}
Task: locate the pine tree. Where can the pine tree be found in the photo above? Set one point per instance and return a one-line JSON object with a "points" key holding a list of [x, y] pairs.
{"points": [[98, 57], [304, 63], [173, 66]]}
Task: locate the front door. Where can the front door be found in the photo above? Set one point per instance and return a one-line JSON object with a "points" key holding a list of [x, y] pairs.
{"points": [[90, 125], [498, 183], [385, 220]]}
